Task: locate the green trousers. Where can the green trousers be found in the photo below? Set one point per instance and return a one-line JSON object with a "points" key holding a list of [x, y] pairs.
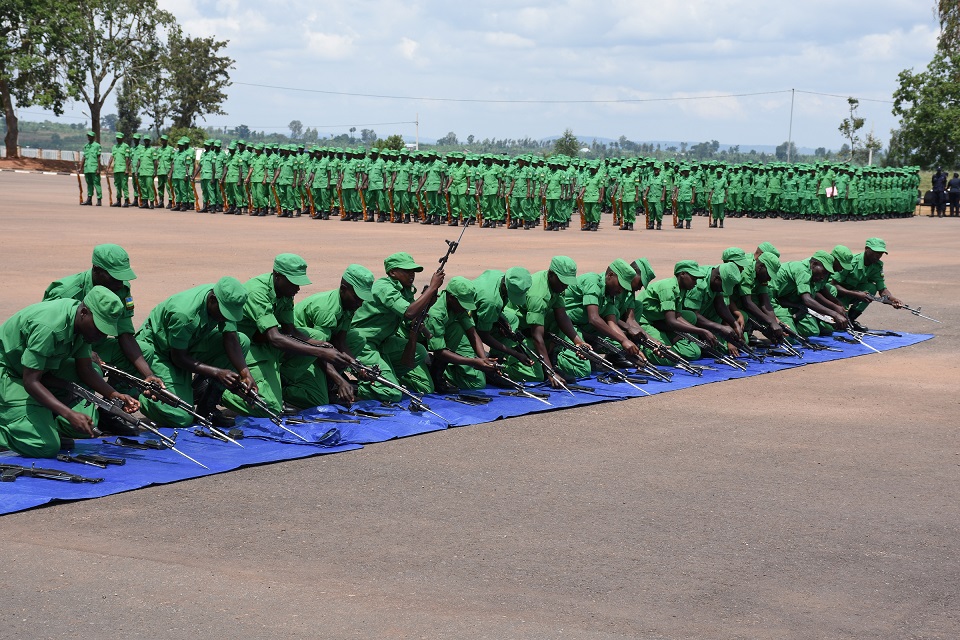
{"points": [[93, 184]]}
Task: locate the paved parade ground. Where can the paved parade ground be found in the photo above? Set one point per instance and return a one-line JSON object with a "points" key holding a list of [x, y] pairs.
{"points": [[819, 502]]}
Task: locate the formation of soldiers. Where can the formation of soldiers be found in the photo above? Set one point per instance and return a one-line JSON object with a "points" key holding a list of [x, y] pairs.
{"points": [[227, 348], [523, 192]]}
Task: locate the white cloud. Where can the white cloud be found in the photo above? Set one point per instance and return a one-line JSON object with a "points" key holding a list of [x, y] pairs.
{"points": [[329, 46], [408, 48], [508, 40]]}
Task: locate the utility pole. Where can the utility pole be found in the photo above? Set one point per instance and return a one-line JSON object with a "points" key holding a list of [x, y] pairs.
{"points": [[417, 122], [790, 130]]}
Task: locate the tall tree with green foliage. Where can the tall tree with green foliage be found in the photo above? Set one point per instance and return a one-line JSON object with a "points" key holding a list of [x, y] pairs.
{"points": [[110, 40], [948, 13], [850, 127], [128, 109], [198, 77], [30, 42], [567, 144], [928, 104]]}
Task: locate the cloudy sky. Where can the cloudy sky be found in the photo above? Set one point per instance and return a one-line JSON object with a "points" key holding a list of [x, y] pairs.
{"points": [[522, 68]]}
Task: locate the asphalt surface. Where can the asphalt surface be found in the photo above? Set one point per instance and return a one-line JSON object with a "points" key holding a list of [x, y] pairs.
{"points": [[820, 502]]}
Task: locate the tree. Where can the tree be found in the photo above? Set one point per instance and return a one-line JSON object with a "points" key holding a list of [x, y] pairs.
{"points": [[198, 77], [782, 154], [394, 142], [109, 122], [242, 131], [310, 135], [470, 139], [449, 140], [128, 109], [296, 128], [948, 12], [850, 126], [368, 136], [154, 88], [928, 104], [567, 144], [31, 39], [110, 40]]}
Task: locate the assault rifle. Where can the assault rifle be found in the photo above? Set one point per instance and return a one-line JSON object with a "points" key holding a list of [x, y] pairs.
{"points": [[595, 358], [373, 373], [518, 389], [115, 408], [916, 312], [645, 368], [519, 338], [10, 472], [161, 394], [253, 399], [782, 344], [666, 352], [722, 358], [451, 249], [856, 335]]}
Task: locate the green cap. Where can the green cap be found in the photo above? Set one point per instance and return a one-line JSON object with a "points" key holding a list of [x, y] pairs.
{"points": [[766, 247], [565, 269], [464, 291], [642, 267], [518, 281], [114, 260], [738, 257], [688, 266], [771, 261], [164, 137], [292, 267], [91, 133], [119, 135], [231, 296], [106, 309], [876, 244], [361, 279], [729, 277], [843, 255], [625, 273], [401, 260], [825, 259], [136, 136]]}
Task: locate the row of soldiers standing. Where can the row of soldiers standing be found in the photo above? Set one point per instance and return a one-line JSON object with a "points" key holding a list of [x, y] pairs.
{"points": [[382, 185]]}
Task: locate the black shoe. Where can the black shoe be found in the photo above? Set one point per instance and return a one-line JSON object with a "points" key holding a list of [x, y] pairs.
{"points": [[454, 223], [513, 225], [856, 326], [659, 226], [114, 426], [688, 224], [406, 218], [99, 202], [721, 224]]}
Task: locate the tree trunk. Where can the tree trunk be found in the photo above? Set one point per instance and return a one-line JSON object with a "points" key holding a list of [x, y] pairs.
{"points": [[13, 126], [95, 108]]}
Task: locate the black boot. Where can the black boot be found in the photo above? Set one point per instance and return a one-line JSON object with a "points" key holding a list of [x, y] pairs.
{"points": [[721, 223], [99, 202], [659, 225], [126, 202], [88, 203], [406, 218], [688, 224]]}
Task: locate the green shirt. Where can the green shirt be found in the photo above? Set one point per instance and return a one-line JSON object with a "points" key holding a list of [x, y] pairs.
{"points": [[181, 321], [324, 312], [660, 296], [41, 337], [77, 286], [381, 317], [540, 300], [490, 304], [590, 289], [860, 276], [701, 298], [439, 320], [91, 157], [121, 155], [264, 309], [794, 279]]}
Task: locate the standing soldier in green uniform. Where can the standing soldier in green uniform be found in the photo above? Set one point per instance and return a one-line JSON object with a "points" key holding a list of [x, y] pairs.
{"points": [[146, 171], [628, 189], [685, 192], [655, 196], [591, 195], [90, 161], [230, 178], [53, 338], [205, 171], [110, 269], [257, 176], [268, 322], [717, 193], [121, 171], [164, 164]]}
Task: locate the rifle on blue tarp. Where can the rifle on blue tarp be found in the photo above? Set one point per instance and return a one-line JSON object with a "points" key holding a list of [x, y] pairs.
{"points": [[10, 472], [782, 344], [916, 312], [373, 374], [667, 353], [589, 354], [162, 394], [115, 409], [722, 358]]}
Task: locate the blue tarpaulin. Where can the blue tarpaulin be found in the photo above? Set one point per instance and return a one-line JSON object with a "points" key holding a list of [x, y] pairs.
{"points": [[264, 442]]}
